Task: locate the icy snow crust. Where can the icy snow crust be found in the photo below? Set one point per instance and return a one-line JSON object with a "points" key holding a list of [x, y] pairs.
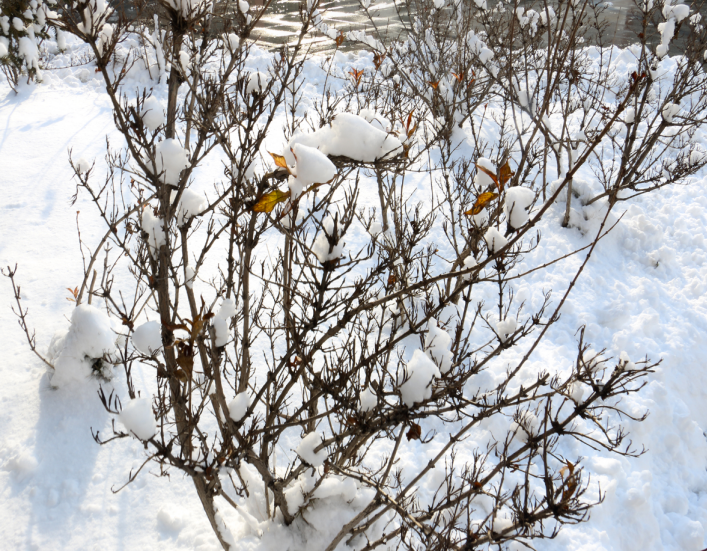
{"points": [[644, 291]]}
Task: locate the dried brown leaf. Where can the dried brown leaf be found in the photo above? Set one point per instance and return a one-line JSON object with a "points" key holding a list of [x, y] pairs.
{"points": [[267, 202]]}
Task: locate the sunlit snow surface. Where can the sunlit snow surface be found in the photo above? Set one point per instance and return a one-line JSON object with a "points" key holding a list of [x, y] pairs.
{"points": [[644, 292]]}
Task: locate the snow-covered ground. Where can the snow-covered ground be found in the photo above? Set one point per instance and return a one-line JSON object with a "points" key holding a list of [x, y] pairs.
{"points": [[644, 292]]}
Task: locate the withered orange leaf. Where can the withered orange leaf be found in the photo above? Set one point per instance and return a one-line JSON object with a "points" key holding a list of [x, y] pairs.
{"points": [[280, 161], [339, 39], [459, 77], [571, 487], [434, 84], [392, 279], [481, 202], [415, 432], [378, 60], [267, 202], [356, 74], [172, 327], [491, 174], [504, 175]]}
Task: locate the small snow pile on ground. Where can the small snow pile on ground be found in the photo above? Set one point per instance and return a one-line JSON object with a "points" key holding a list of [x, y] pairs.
{"points": [[518, 201], [221, 321], [420, 370], [437, 344], [348, 135], [306, 449], [138, 418], [238, 406], [147, 338], [152, 113], [21, 465], [90, 337], [170, 160]]}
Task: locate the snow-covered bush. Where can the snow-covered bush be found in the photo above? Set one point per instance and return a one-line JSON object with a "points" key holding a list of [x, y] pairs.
{"points": [[348, 254], [23, 25]]}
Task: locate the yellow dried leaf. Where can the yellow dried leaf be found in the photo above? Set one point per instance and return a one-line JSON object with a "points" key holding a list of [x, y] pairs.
{"points": [[280, 161], [504, 175], [481, 202], [267, 202]]}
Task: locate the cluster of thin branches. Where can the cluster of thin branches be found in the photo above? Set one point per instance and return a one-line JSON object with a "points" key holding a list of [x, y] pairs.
{"points": [[321, 344]]}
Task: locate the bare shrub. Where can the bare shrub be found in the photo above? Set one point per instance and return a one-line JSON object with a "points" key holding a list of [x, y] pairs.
{"points": [[466, 131]]}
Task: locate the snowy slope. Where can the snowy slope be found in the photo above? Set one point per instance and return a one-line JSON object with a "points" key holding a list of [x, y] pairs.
{"points": [[644, 292]]}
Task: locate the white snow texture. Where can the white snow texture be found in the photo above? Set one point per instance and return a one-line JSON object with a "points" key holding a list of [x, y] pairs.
{"points": [[90, 337]]}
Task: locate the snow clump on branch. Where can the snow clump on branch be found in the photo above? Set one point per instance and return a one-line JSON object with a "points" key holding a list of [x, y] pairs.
{"points": [[147, 338], [238, 406], [322, 248], [306, 450], [350, 136], [154, 227], [221, 321], [138, 418], [420, 371], [152, 113], [257, 81], [505, 328], [170, 160], [518, 201], [437, 343], [190, 205], [495, 240]]}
